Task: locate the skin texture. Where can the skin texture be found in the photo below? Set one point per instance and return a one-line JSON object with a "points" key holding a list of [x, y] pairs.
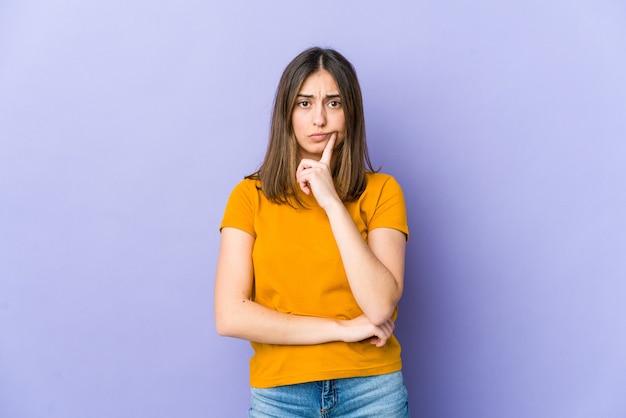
{"points": [[375, 269]]}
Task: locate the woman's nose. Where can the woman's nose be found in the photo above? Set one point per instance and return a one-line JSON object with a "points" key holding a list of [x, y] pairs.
{"points": [[319, 116]]}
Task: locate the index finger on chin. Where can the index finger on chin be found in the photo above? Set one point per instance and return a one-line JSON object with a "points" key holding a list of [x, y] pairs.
{"points": [[328, 149]]}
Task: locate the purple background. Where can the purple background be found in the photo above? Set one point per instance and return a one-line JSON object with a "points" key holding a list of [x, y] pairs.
{"points": [[125, 124]]}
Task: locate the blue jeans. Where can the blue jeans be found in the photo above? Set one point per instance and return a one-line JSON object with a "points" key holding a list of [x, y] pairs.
{"points": [[381, 396]]}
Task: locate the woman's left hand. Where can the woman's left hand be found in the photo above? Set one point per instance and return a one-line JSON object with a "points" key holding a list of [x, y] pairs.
{"points": [[315, 176]]}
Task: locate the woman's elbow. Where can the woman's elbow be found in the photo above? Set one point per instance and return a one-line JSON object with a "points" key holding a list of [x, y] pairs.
{"points": [[381, 315], [222, 327], [383, 310], [225, 325]]}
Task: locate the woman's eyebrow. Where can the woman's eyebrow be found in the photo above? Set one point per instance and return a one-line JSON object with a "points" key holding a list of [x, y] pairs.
{"points": [[328, 96]]}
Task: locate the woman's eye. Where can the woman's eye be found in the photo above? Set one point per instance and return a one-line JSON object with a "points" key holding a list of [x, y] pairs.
{"points": [[335, 103], [304, 103]]}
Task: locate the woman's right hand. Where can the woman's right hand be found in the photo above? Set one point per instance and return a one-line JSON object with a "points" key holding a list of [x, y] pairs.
{"points": [[360, 328]]}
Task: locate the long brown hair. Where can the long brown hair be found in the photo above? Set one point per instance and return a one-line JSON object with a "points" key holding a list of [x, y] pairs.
{"points": [[278, 170]]}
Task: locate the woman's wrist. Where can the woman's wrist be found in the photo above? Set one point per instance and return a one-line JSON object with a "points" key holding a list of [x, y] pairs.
{"points": [[333, 206]]}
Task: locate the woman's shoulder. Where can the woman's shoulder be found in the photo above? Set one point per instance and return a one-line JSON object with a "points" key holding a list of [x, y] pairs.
{"points": [[377, 180], [249, 184]]}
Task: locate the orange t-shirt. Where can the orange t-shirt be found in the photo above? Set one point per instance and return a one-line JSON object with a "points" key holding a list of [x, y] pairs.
{"points": [[298, 270]]}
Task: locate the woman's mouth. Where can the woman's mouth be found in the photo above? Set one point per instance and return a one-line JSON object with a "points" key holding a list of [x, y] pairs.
{"points": [[318, 137]]}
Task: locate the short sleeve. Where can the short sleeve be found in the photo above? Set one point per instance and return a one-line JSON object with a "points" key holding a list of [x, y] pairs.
{"points": [[390, 211], [240, 207]]}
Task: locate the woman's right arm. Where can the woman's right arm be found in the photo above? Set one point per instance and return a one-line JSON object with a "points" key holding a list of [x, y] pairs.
{"points": [[236, 315]]}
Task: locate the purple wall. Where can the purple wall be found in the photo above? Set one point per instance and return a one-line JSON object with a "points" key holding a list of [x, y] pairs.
{"points": [[125, 124]]}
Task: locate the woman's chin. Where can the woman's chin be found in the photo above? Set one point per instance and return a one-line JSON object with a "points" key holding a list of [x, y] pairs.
{"points": [[311, 153]]}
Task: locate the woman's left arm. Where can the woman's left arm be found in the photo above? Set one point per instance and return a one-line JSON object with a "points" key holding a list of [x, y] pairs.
{"points": [[375, 269]]}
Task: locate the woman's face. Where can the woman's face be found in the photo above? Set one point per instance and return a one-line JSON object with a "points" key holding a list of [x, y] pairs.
{"points": [[318, 114]]}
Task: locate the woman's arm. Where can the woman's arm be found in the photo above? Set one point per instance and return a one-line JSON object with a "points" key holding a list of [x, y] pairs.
{"points": [[238, 316], [375, 269]]}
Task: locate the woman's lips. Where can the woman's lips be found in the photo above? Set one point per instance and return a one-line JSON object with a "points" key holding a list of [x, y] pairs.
{"points": [[318, 137]]}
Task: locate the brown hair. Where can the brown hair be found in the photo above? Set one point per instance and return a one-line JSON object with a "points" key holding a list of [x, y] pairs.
{"points": [[278, 170]]}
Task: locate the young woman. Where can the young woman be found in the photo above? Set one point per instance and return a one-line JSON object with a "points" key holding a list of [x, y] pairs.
{"points": [[311, 261]]}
